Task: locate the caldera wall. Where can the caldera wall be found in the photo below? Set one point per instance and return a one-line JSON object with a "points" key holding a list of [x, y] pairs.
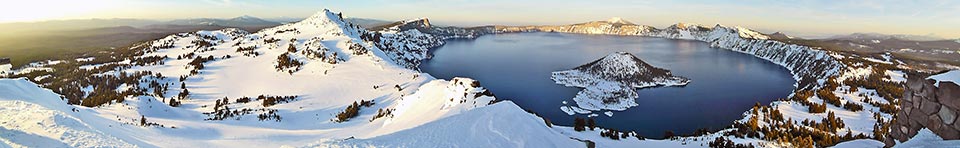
{"points": [[927, 105]]}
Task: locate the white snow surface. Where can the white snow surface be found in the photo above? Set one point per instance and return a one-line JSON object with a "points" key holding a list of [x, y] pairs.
{"points": [[34, 117], [950, 76], [499, 125], [927, 139]]}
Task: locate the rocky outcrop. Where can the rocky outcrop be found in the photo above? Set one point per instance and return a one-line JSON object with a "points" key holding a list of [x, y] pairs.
{"points": [[927, 104]]}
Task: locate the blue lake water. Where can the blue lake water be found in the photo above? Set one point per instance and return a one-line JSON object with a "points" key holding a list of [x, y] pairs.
{"points": [[517, 67]]}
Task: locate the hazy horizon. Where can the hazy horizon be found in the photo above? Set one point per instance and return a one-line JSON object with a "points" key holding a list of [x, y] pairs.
{"points": [[813, 18]]}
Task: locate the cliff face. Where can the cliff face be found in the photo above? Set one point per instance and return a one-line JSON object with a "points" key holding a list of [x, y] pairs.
{"points": [[927, 104]]}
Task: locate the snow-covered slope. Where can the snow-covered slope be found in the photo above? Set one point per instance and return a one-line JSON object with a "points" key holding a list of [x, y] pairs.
{"points": [[31, 116], [926, 138], [499, 125], [610, 82], [435, 100]]}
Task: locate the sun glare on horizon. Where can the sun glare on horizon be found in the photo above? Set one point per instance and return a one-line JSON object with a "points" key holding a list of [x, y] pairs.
{"points": [[40, 10]]}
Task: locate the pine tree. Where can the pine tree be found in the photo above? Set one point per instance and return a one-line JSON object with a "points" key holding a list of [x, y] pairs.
{"points": [[592, 124], [143, 120], [578, 124], [753, 123], [292, 48], [668, 134]]}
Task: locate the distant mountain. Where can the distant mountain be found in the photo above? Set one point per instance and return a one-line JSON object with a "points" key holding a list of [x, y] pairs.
{"points": [[779, 35], [878, 36], [367, 23], [618, 20], [918, 51], [18, 40], [58, 25], [285, 19], [241, 21]]}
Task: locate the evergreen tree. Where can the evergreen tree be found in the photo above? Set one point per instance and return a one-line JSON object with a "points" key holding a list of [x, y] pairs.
{"points": [[143, 120], [578, 124], [592, 124]]}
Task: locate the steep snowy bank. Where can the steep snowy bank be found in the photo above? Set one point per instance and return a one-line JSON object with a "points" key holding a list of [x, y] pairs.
{"points": [[610, 83], [499, 125], [37, 117]]}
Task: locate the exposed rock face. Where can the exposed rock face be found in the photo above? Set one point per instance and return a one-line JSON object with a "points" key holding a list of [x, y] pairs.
{"points": [[610, 82], [926, 104]]}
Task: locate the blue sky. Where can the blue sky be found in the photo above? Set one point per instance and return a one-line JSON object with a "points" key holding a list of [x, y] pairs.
{"points": [[801, 17]]}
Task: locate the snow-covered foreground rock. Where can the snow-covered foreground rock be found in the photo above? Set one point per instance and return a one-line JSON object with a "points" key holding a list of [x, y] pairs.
{"points": [[610, 83], [926, 138], [950, 76]]}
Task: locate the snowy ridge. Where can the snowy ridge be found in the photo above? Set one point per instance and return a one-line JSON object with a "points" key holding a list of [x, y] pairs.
{"points": [[498, 125], [610, 82], [437, 99]]}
